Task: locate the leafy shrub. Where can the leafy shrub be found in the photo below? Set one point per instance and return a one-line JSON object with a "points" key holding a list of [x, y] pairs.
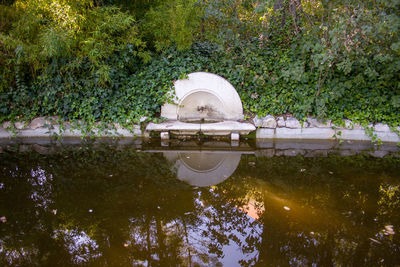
{"points": [[329, 59]]}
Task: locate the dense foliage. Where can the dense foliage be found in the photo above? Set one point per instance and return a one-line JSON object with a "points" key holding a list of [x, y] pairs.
{"points": [[115, 60]]}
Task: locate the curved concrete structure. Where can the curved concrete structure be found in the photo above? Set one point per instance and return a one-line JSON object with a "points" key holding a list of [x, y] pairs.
{"points": [[204, 96]]}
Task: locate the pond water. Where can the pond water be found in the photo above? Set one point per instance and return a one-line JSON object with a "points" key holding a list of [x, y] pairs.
{"points": [[119, 206]]}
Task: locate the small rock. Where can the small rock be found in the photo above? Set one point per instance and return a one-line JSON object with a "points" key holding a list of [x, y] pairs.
{"points": [[330, 172], [7, 125], [379, 153], [314, 123], [302, 170], [269, 122], [257, 121], [3, 219], [286, 208], [54, 212], [53, 119], [126, 245], [20, 125], [348, 124], [38, 122], [90, 210], [380, 127], [281, 122], [41, 149], [292, 123], [252, 163]]}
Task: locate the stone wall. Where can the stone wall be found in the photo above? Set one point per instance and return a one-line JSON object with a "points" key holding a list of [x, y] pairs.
{"points": [[49, 127], [280, 127], [268, 127]]}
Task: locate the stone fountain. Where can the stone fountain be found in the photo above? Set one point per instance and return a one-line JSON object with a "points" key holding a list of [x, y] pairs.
{"points": [[204, 103]]}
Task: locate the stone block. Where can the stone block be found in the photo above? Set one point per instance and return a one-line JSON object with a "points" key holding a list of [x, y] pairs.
{"points": [[269, 122], [175, 127], [380, 127], [281, 122], [379, 153], [226, 128], [41, 149], [125, 132], [287, 133], [260, 143], [169, 111], [257, 121], [356, 145], [164, 135], [38, 122], [348, 124], [235, 143], [318, 133], [265, 133], [7, 125], [314, 123], [355, 134], [292, 123], [388, 136], [235, 136], [20, 125]]}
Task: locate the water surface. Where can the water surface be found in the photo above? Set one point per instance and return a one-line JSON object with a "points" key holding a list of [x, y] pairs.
{"points": [[117, 206]]}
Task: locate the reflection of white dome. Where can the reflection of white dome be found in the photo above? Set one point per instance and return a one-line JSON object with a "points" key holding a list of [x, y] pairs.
{"points": [[199, 168]]}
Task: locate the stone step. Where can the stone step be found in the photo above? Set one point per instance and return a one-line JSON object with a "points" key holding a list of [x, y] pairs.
{"points": [[215, 129]]}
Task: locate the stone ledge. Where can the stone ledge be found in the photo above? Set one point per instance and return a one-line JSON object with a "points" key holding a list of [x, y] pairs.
{"points": [[218, 128], [291, 128], [269, 128], [66, 131]]}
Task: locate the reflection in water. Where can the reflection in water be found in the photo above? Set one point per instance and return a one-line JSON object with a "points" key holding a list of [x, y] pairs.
{"points": [[79, 245], [41, 187], [108, 207], [199, 168]]}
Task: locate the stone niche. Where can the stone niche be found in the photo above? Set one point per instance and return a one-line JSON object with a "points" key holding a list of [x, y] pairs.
{"points": [[204, 97]]}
